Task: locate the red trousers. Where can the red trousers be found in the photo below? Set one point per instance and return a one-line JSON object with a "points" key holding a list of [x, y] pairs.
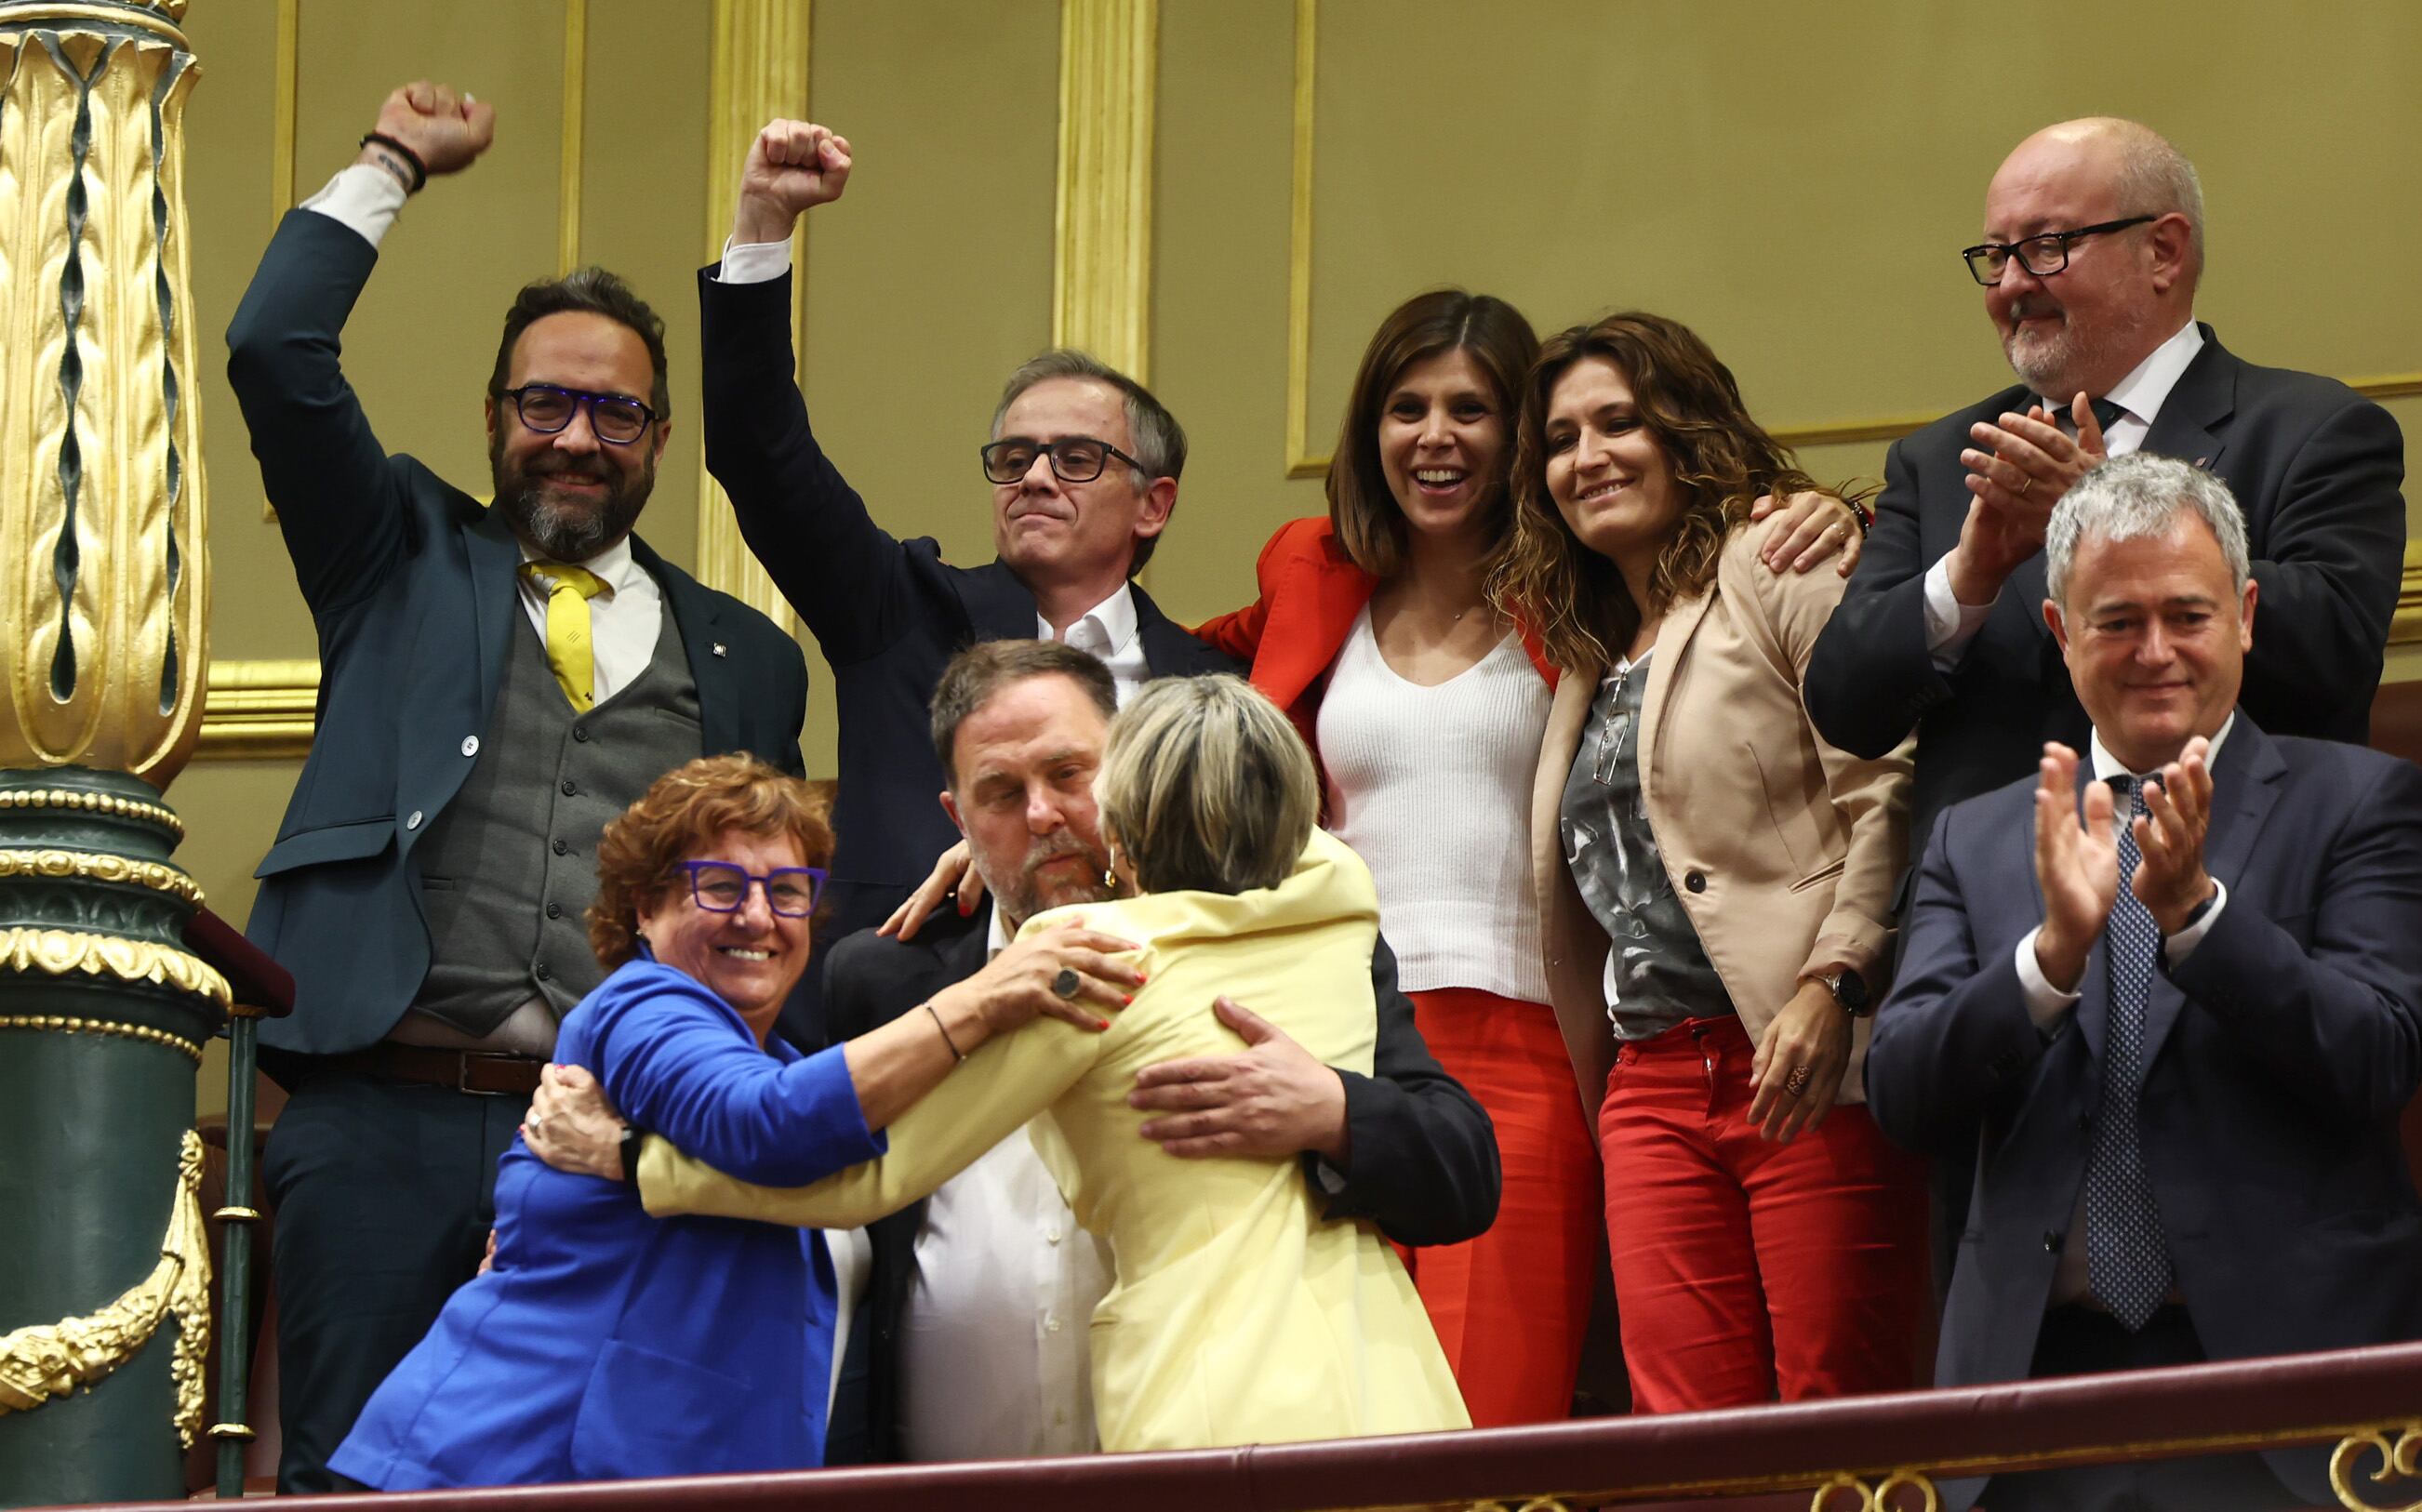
{"points": [[1747, 1270], [1510, 1306]]}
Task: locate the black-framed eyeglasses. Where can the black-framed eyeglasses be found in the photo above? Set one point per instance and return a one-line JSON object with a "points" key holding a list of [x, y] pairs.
{"points": [[618, 419], [1074, 459], [2043, 256], [720, 887]]}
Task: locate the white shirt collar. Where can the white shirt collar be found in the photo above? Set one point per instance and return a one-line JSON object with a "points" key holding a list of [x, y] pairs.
{"points": [[2143, 391], [1113, 619], [614, 566], [2106, 766], [995, 936]]}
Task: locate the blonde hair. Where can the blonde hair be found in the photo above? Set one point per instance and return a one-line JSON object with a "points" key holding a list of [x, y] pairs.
{"points": [[1206, 786]]}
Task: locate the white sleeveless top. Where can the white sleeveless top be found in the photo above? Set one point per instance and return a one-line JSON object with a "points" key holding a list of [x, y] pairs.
{"points": [[1432, 787]]}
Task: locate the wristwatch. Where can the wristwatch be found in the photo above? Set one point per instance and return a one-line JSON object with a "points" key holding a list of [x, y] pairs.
{"points": [[632, 1135], [1849, 989]]}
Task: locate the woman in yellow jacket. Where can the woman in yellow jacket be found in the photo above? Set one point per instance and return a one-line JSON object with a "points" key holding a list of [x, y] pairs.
{"points": [[1715, 884], [1236, 1315]]}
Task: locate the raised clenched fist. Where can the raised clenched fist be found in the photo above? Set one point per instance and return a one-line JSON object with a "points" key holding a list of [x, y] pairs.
{"points": [[791, 165], [445, 127]]}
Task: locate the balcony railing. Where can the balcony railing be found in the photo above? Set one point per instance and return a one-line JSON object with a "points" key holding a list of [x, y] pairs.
{"points": [[1852, 1456]]}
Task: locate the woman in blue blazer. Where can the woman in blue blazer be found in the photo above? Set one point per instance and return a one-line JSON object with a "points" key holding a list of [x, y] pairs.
{"points": [[604, 1344]]}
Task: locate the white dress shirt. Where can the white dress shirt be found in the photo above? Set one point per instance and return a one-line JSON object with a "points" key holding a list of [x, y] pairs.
{"points": [[1950, 625], [1109, 633], [994, 1343], [623, 621]]}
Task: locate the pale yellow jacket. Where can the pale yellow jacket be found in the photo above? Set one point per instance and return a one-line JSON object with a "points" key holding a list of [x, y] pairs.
{"points": [[1237, 1315]]}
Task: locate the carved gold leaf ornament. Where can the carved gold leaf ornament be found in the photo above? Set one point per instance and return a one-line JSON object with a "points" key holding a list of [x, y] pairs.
{"points": [[102, 603], [66, 952], [44, 1362], [2399, 1460], [1876, 1498], [100, 865]]}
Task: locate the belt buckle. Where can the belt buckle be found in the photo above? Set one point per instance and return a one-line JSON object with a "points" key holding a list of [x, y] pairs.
{"points": [[463, 1073]]}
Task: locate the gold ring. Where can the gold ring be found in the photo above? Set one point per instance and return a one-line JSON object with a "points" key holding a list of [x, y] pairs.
{"points": [[2023, 486]]}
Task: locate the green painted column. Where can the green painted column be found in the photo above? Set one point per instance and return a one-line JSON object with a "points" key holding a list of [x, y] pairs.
{"points": [[104, 1319]]}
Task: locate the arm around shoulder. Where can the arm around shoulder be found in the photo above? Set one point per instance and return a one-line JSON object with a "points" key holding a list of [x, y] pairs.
{"points": [[1869, 678], [1424, 1164]]}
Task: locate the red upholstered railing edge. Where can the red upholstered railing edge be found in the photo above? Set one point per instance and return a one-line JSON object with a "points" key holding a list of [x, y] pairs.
{"points": [[2314, 1398]]}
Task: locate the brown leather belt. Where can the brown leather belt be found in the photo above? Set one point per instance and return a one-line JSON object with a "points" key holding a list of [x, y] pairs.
{"points": [[483, 1073]]}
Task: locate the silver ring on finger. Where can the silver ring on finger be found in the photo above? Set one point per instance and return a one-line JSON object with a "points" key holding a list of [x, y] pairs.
{"points": [[1063, 986], [1797, 1082]]}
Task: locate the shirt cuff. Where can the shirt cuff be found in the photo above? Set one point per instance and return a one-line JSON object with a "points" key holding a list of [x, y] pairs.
{"points": [[361, 198], [2047, 1005], [1950, 625], [2178, 947], [753, 262]]}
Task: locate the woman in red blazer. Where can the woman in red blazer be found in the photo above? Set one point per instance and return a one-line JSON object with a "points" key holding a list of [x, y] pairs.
{"points": [[1425, 708]]}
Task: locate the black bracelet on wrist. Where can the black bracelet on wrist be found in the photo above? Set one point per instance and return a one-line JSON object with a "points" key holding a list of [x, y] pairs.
{"points": [[419, 169], [956, 1053], [628, 1148]]}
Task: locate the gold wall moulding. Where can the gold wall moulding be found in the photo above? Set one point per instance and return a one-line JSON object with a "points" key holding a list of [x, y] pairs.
{"points": [[62, 952], [60, 1023], [1101, 264], [40, 1363], [757, 70], [2406, 628], [286, 91], [259, 709], [574, 134], [124, 808], [102, 866]]}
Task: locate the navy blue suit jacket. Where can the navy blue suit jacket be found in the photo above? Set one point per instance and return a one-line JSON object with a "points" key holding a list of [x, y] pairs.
{"points": [[2315, 466], [411, 587], [2280, 1055], [889, 614]]}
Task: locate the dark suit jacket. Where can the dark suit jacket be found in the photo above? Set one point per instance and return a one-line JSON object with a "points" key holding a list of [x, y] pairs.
{"points": [[2316, 468], [2278, 1057], [888, 613], [1425, 1164], [411, 586]]}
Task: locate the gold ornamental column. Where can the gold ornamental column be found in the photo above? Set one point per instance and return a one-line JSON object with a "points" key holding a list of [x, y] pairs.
{"points": [[103, 1269]]}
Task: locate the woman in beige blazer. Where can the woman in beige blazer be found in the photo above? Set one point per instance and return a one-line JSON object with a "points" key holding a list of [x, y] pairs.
{"points": [[1715, 884]]}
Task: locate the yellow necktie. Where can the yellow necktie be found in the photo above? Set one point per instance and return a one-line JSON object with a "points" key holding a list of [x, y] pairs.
{"points": [[568, 651]]}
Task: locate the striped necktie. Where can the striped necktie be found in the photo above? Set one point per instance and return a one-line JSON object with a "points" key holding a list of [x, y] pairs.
{"points": [[571, 651]]}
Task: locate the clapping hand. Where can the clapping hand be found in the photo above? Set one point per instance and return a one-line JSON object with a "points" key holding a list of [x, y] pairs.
{"points": [[2026, 463], [2170, 880], [793, 165], [2077, 867]]}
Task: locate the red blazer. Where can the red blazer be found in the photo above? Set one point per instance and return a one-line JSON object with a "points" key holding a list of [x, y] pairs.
{"points": [[1310, 592]]}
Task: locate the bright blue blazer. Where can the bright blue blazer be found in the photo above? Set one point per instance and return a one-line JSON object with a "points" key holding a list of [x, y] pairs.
{"points": [[604, 1344]]}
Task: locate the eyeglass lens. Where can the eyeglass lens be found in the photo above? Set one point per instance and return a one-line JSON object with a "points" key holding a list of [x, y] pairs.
{"points": [[549, 409], [1074, 459], [790, 891]]}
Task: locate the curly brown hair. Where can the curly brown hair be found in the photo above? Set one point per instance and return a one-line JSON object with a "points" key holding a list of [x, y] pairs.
{"points": [[1721, 460], [685, 811], [1369, 522]]}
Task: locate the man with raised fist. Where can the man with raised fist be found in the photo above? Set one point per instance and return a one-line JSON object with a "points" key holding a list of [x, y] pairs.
{"points": [[495, 684]]}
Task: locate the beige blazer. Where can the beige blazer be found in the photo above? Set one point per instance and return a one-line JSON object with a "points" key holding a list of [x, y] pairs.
{"points": [[1783, 850]]}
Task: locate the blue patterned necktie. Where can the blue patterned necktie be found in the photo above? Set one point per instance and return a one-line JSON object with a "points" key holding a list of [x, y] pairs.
{"points": [[2127, 1262]]}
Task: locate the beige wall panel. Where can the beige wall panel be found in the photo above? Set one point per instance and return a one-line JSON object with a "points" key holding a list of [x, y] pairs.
{"points": [[229, 132], [643, 201], [1220, 257], [1794, 185], [931, 278]]}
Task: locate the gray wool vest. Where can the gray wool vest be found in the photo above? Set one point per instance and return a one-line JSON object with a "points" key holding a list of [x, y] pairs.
{"points": [[510, 868]]}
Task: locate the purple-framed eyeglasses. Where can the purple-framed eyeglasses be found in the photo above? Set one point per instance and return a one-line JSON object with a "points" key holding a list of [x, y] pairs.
{"points": [[720, 887]]}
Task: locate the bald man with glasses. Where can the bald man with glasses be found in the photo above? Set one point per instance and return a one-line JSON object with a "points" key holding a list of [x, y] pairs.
{"points": [[2092, 250]]}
